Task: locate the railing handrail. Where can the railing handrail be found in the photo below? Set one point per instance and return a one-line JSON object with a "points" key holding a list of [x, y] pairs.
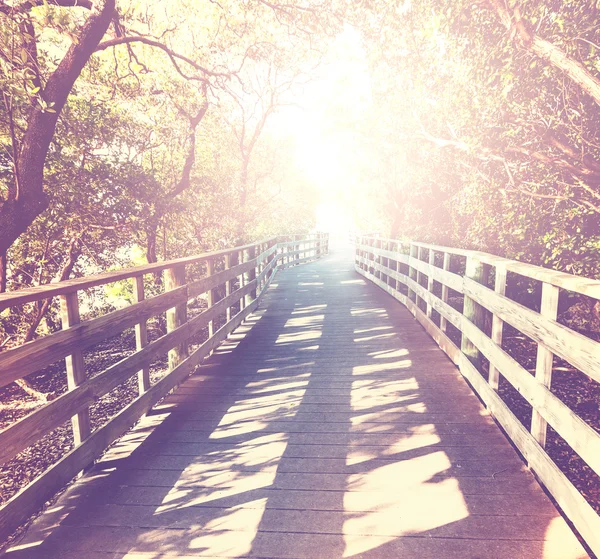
{"points": [[578, 284], [30, 294]]}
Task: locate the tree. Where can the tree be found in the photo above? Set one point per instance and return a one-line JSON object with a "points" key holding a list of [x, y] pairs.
{"points": [[494, 109]]}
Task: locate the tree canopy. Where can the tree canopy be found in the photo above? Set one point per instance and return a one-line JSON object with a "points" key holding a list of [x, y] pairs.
{"points": [[136, 131]]}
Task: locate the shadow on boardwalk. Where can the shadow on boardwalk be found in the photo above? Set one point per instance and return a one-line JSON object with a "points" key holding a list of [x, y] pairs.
{"points": [[334, 427]]}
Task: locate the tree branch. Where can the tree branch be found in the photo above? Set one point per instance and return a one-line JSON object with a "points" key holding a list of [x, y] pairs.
{"points": [[174, 56], [30, 4], [521, 32]]}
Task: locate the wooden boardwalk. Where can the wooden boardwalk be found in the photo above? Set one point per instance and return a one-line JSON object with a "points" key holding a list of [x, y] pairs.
{"points": [[330, 426]]}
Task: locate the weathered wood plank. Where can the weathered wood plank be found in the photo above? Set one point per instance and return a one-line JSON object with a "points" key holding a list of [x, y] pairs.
{"points": [[22, 296], [230, 260], [472, 310], [69, 313], [203, 285], [578, 434], [582, 352], [445, 288], [577, 284], [300, 261], [210, 271], [497, 325], [386, 253], [544, 360], [141, 335], [250, 275], [176, 316], [28, 358]]}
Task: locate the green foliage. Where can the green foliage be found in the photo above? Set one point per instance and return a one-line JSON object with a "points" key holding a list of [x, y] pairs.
{"points": [[478, 142], [115, 168]]}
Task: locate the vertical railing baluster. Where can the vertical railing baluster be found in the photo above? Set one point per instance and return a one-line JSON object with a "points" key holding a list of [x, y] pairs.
{"points": [[210, 270], [242, 277], [229, 263], [249, 276], [397, 251], [497, 325], [473, 311], [420, 274], [373, 257], [446, 266], [386, 261], [69, 308], [412, 271], [176, 316], [141, 335], [430, 281], [544, 360], [377, 258]]}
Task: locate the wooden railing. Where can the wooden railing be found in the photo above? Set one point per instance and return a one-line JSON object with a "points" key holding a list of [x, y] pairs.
{"points": [[420, 276], [233, 282]]}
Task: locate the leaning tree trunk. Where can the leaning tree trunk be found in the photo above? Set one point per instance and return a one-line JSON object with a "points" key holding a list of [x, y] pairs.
{"points": [[29, 200]]}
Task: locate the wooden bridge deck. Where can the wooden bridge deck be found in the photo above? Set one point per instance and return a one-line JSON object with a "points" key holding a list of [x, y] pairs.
{"points": [[333, 427]]}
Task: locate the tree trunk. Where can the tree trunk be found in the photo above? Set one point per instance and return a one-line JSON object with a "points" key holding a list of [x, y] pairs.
{"points": [[151, 234], [18, 212], [3, 271], [524, 34]]}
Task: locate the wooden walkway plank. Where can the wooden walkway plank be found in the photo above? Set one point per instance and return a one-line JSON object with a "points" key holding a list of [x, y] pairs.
{"points": [[329, 426]]}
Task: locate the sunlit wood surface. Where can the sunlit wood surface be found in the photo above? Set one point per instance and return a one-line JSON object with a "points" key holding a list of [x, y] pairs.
{"points": [[330, 426]]}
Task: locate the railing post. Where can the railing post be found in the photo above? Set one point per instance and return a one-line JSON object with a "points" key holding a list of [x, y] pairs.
{"points": [[477, 271], [69, 308], [397, 251], [430, 281], [249, 276], [362, 252], [141, 335], [176, 316], [497, 325], [420, 274], [259, 266], [263, 264], [241, 260], [373, 256], [412, 272], [229, 263], [268, 275], [443, 321], [386, 261], [210, 270], [376, 257], [544, 360]]}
